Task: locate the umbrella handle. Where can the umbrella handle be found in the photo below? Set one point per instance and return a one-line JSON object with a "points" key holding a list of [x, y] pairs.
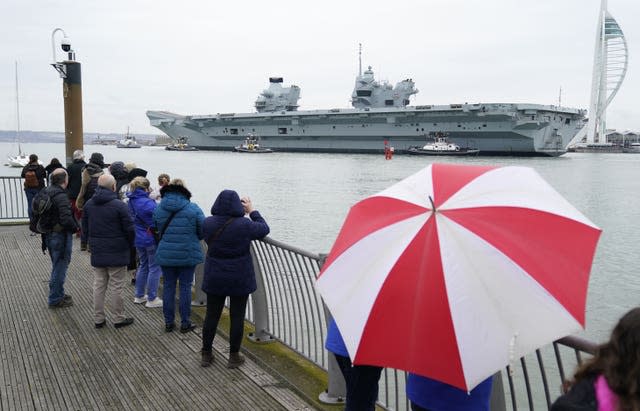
{"points": [[433, 206]]}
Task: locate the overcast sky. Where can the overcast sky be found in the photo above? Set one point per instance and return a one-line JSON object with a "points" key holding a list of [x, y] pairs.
{"points": [[207, 57]]}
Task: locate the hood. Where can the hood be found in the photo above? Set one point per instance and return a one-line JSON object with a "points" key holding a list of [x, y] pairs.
{"points": [[228, 203], [103, 195], [93, 169], [118, 171], [137, 193], [174, 188]]}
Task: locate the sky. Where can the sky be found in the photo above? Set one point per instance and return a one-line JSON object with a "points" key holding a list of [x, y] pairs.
{"points": [[207, 57]]}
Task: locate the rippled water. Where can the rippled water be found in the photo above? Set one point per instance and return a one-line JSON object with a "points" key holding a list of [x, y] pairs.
{"points": [[305, 197]]}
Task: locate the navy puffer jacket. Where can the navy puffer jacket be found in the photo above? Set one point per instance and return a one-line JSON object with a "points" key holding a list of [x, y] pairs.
{"points": [[228, 268], [109, 227], [180, 244], [141, 208]]}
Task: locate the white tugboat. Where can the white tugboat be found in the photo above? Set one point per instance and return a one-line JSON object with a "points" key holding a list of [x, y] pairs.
{"points": [[440, 146]]}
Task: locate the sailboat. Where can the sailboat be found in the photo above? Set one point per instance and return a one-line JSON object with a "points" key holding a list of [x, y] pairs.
{"points": [[20, 159]]}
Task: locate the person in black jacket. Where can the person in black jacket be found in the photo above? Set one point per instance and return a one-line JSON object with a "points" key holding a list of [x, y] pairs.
{"points": [[53, 164], [34, 176], [609, 380], [110, 230], [75, 180], [59, 239]]}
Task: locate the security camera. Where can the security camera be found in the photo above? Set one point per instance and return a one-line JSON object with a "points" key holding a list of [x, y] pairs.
{"points": [[66, 44]]}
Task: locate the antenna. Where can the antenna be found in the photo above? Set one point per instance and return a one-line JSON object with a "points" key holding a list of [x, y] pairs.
{"points": [[560, 97], [360, 59]]}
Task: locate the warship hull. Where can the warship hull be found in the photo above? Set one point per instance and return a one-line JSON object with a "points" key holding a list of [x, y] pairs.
{"points": [[494, 129]]}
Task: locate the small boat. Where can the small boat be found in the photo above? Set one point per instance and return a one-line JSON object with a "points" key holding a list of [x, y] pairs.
{"points": [[180, 144], [251, 144], [440, 146], [128, 141]]}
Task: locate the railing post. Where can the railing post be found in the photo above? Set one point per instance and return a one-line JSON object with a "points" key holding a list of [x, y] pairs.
{"points": [[260, 305], [200, 298], [336, 391], [497, 400]]}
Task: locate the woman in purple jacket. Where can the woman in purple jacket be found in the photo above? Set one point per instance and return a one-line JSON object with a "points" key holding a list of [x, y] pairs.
{"points": [[228, 268]]}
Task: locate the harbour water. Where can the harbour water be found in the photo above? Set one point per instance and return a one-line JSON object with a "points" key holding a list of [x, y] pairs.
{"points": [[305, 197]]}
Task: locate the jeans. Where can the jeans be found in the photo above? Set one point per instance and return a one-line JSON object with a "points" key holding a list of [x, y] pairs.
{"points": [[237, 308], [183, 275], [30, 192], [148, 275], [362, 384], [59, 245]]}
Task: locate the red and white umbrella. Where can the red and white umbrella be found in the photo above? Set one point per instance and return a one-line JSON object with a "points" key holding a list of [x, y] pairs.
{"points": [[459, 270]]}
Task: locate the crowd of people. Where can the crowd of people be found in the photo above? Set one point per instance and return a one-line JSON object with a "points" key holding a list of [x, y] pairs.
{"points": [[124, 223]]}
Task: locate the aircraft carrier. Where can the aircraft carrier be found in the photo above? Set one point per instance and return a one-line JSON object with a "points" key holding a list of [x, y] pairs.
{"points": [[381, 113]]}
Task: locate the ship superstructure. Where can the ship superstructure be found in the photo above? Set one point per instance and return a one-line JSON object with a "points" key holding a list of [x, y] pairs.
{"points": [[381, 112]]}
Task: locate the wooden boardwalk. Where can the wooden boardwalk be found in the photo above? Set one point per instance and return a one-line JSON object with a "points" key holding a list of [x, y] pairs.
{"points": [[54, 359]]}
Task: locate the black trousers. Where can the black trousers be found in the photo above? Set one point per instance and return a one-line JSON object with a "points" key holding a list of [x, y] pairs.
{"points": [[215, 304], [362, 384]]}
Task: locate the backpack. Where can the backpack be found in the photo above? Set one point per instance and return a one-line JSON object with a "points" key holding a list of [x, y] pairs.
{"points": [[31, 179], [43, 213], [91, 189]]}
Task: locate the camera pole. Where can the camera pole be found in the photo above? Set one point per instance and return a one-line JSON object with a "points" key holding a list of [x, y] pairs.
{"points": [[70, 72]]}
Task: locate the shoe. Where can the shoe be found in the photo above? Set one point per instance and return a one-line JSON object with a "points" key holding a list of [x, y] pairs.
{"points": [[124, 323], [83, 246], [67, 297], [235, 360], [207, 358], [100, 325], [188, 328], [169, 327], [62, 304], [155, 303], [140, 300], [133, 281]]}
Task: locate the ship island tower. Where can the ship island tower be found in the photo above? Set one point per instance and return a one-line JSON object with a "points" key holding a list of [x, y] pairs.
{"points": [[610, 60]]}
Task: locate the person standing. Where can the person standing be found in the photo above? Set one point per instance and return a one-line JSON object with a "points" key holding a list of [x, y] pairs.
{"points": [[59, 240], [163, 180], [53, 164], [109, 229], [89, 182], [141, 208], [608, 380], [361, 380], [179, 250], [228, 268], [75, 180], [34, 176]]}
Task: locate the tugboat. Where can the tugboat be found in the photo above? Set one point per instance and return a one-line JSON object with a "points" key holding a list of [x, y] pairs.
{"points": [[440, 146], [251, 144], [180, 144], [128, 141]]}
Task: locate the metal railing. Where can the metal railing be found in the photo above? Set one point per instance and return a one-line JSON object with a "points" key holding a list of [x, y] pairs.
{"points": [[287, 307], [13, 202]]}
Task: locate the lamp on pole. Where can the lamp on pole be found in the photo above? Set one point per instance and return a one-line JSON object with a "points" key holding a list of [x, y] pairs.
{"points": [[70, 72]]}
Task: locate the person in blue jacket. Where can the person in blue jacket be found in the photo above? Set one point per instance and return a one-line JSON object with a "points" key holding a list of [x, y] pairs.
{"points": [[361, 380], [148, 275], [427, 394], [178, 251], [228, 268]]}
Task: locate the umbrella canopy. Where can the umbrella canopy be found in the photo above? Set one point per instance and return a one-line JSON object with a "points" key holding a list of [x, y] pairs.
{"points": [[458, 270]]}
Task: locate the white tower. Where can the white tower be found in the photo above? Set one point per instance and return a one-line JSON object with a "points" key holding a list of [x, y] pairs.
{"points": [[609, 68]]}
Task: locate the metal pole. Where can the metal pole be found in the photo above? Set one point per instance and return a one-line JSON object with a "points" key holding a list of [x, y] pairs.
{"points": [[72, 95]]}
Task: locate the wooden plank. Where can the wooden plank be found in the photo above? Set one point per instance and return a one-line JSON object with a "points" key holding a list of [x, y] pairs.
{"points": [[56, 359]]}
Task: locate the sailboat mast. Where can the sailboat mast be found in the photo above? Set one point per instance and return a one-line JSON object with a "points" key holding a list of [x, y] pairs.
{"points": [[18, 113]]}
